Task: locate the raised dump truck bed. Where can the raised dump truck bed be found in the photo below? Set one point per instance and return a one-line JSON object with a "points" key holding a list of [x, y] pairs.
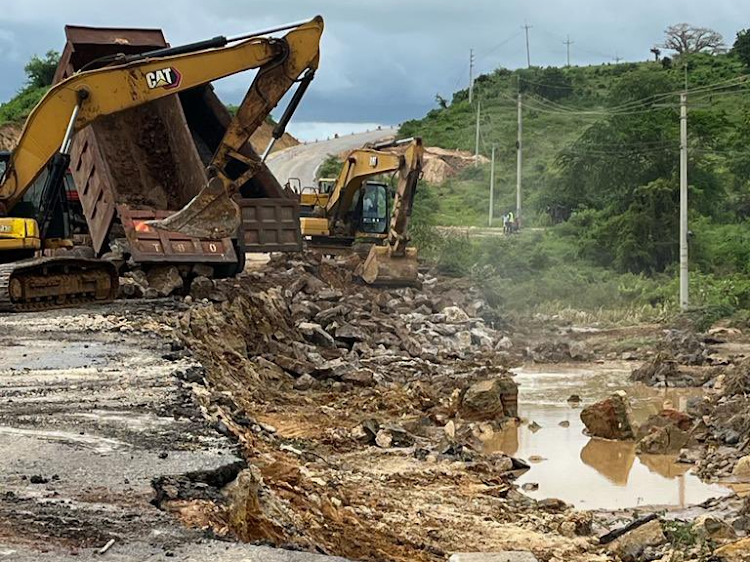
{"points": [[148, 162]]}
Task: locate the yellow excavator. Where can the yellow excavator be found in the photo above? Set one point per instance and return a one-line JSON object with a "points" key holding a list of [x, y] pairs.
{"points": [[114, 84], [358, 209]]}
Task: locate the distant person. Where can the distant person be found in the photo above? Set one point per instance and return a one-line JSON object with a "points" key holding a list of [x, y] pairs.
{"points": [[511, 221], [506, 222]]}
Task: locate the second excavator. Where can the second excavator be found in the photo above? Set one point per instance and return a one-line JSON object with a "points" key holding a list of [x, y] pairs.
{"points": [[357, 210], [114, 84]]}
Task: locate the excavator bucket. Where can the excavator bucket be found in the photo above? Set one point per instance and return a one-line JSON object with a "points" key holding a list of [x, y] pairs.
{"points": [[382, 268], [210, 214]]}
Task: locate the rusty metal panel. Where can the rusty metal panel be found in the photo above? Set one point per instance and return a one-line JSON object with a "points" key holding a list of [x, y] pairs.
{"points": [[270, 225], [88, 168], [151, 245]]}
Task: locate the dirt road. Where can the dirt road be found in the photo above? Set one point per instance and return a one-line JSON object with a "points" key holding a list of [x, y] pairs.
{"points": [[91, 412], [302, 161]]}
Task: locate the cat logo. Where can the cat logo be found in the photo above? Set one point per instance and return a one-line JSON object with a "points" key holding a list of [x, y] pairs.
{"points": [[167, 78], [373, 161], [6, 228]]}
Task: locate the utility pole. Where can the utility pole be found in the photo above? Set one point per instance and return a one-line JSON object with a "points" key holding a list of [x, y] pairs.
{"points": [[567, 44], [471, 75], [519, 157], [492, 185], [618, 58], [476, 152], [684, 273], [526, 27]]}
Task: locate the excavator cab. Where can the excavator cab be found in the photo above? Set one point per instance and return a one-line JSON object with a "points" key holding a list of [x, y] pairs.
{"points": [[375, 208]]}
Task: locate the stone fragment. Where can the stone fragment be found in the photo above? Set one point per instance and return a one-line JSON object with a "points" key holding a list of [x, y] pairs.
{"points": [[742, 468], [668, 440], [165, 279], [455, 315], [738, 551], [201, 288], [632, 544], [305, 382], [610, 418], [490, 399], [203, 270], [316, 334], [708, 527]]}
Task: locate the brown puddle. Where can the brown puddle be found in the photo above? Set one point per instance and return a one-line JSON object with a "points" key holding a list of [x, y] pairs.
{"points": [[594, 473]]}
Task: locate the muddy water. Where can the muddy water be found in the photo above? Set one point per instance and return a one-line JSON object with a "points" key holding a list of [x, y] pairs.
{"points": [[594, 473]]}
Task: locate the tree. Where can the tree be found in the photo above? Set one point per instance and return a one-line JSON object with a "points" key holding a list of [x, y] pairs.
{"points": [[741, 46], [441, 101], [40, 72], [683, 38]]}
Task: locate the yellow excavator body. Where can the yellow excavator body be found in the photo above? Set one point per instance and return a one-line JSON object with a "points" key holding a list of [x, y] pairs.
{"points": [[19, 235], [351, 210]]}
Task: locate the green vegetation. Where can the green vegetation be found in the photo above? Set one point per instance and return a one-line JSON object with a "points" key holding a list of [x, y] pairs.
{"points": [[39, 75], [601, 183], [330, 168]]}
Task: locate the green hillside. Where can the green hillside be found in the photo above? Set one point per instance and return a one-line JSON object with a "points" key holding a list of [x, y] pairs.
{"points": [[601, 175]]}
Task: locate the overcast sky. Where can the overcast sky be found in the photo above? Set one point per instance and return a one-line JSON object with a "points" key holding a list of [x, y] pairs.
{"points": [[382, 62]]}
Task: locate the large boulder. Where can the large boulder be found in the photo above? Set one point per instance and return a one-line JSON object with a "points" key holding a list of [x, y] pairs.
{"points": [[610, 418], [490, 400]]}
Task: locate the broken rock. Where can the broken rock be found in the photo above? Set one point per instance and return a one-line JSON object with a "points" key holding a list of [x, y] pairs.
{"points": [[708, 527], [201, 288], [610, 418], [490, 400], [742, 468], [316, 334], [632, 544], [165, 279], [667, 440]]}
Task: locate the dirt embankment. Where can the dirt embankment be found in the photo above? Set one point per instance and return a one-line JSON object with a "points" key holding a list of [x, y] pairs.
{"points": [[9, 135], [263, 135]]}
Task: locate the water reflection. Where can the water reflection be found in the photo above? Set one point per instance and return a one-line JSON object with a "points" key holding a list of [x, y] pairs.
{"points": [[594, 473], [613, 460]]}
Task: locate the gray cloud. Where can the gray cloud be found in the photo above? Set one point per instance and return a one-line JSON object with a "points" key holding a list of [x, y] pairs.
{"points": [[382, 61]]}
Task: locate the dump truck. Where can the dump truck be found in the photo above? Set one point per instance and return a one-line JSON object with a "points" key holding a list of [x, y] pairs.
{"points": [[146, 163], [135, 159]]}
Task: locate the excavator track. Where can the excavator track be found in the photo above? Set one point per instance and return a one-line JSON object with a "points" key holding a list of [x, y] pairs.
{"points": [[58, 282]]}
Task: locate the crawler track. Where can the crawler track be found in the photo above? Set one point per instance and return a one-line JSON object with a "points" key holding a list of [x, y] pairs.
{"points": [[49, 283]]}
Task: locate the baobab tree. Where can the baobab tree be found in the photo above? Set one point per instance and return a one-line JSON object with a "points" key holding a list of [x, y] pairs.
{"points": [[684, 38]]}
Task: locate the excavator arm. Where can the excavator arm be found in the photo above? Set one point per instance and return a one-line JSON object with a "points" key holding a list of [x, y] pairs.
{"points": [[394, 263], [87, 96]]}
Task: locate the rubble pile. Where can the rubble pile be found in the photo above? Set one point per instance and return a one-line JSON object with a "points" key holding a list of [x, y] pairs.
{"points": [[350, 402], [679, 362]]}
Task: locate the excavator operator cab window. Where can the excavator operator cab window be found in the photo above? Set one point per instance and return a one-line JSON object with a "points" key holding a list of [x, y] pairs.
{"points": [[375, 212]]}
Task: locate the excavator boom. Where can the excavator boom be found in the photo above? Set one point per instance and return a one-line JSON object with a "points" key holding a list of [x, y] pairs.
{"points": [[94, 94]]}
